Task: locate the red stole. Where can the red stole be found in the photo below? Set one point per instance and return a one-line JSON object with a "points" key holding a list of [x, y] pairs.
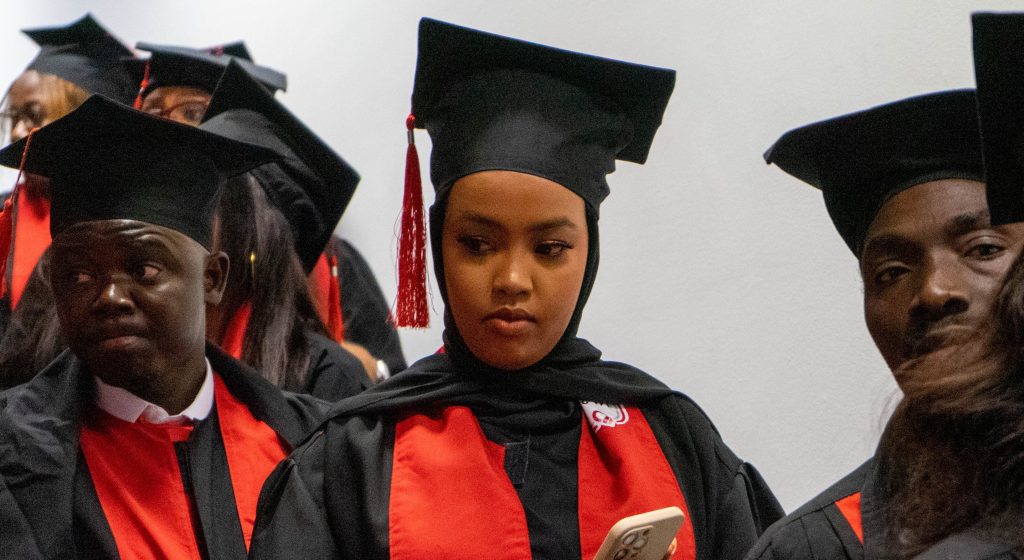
{"points": [[31, 236], [135, 472], [451, 497], [850, 508]]}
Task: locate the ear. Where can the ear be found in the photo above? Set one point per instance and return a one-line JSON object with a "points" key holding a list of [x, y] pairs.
{"points": [[215, 276]]}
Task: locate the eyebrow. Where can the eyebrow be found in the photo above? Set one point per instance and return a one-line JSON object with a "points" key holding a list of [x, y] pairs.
{"points": [[968, 222], [544, 225], [955, 227], [886, 244]]}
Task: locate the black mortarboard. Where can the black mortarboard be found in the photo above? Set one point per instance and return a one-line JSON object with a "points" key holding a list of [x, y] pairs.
{"points": [[493, 102], [999, 74], [860, 160], [85, 54], [200, 68], [108, 161], [310, 183]]}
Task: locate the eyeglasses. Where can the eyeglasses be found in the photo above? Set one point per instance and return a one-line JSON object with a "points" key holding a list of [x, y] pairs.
{"points": [[32, 116], [188, 112]]}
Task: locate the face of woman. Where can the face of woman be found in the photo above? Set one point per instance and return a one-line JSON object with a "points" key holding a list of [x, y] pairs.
{"points": [[515, 252], [27, 105], [182, 104]]}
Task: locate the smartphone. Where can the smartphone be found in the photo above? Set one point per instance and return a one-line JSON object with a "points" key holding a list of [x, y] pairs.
{"points": [[645, 536]]}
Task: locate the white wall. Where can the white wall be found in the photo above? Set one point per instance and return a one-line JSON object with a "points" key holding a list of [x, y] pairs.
{"points": [[720, 275]]}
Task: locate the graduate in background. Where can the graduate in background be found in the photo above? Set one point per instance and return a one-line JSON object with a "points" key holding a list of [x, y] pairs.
{"points": [[74, 61], [498, 447], [142, 440], [276, 220], [904, 185], [951, 460], [176, 83]]}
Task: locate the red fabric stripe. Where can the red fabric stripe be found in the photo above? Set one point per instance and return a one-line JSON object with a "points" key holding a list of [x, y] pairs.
{"points": [[450, 496], [850, 508], [234, 336], [624, 472], [135, 472], [137, 479], [252, 448], [31, 237]]}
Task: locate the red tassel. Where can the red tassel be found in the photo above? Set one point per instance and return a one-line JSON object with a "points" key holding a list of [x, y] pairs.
{"points": [[233, 342], [335, 322], [411, 309], [142, 87], [6, 233], [7, 217]]}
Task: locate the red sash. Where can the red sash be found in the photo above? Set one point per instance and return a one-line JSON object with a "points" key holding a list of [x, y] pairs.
{"points": [[850, 508], [135, 472], [451, 497], [31, 237]]}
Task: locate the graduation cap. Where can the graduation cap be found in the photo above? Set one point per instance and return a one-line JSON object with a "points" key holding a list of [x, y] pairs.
{"points": [[108, 161], [496, 103], [861, 160], [85, 54], [310, 183], [200, 68], [493, 102], [999, 74]]}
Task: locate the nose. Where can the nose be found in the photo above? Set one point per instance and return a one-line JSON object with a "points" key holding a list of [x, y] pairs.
{"points": [[19, 129], [941, 293], [114, 299], [512, 279]]}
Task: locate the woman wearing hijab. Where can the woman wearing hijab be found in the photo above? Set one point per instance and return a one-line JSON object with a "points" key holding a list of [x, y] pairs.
{"points": [[517, 441]]}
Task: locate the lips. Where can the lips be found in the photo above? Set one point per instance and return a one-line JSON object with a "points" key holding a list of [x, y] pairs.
{"points": [[118, 335], [509, 321]]}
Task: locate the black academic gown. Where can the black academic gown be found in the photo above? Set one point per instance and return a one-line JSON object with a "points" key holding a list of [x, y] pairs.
{"points": [[333, 372], [330, 498], [817, 530], [966, 546], [364, 310], [48, 506]]}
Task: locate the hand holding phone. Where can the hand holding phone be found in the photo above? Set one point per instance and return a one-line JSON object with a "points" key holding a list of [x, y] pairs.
{"points": [[645, 536]]}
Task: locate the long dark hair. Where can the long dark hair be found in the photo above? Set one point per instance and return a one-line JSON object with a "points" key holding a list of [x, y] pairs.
{"points": [[952, 455], [33, 337], [266, 272]]}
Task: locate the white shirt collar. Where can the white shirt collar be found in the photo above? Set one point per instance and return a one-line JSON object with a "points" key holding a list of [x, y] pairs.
{"points": [[126, 406]]}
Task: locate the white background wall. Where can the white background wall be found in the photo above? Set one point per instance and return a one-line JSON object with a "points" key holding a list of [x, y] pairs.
{"points": [[720, 275]]}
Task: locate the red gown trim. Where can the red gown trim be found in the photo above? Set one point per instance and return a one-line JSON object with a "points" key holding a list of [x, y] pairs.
{"points": [[850, 508], [138, 482], [31, 237], [252, 448], [625, 473], [451, 497], [140, 487]]}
